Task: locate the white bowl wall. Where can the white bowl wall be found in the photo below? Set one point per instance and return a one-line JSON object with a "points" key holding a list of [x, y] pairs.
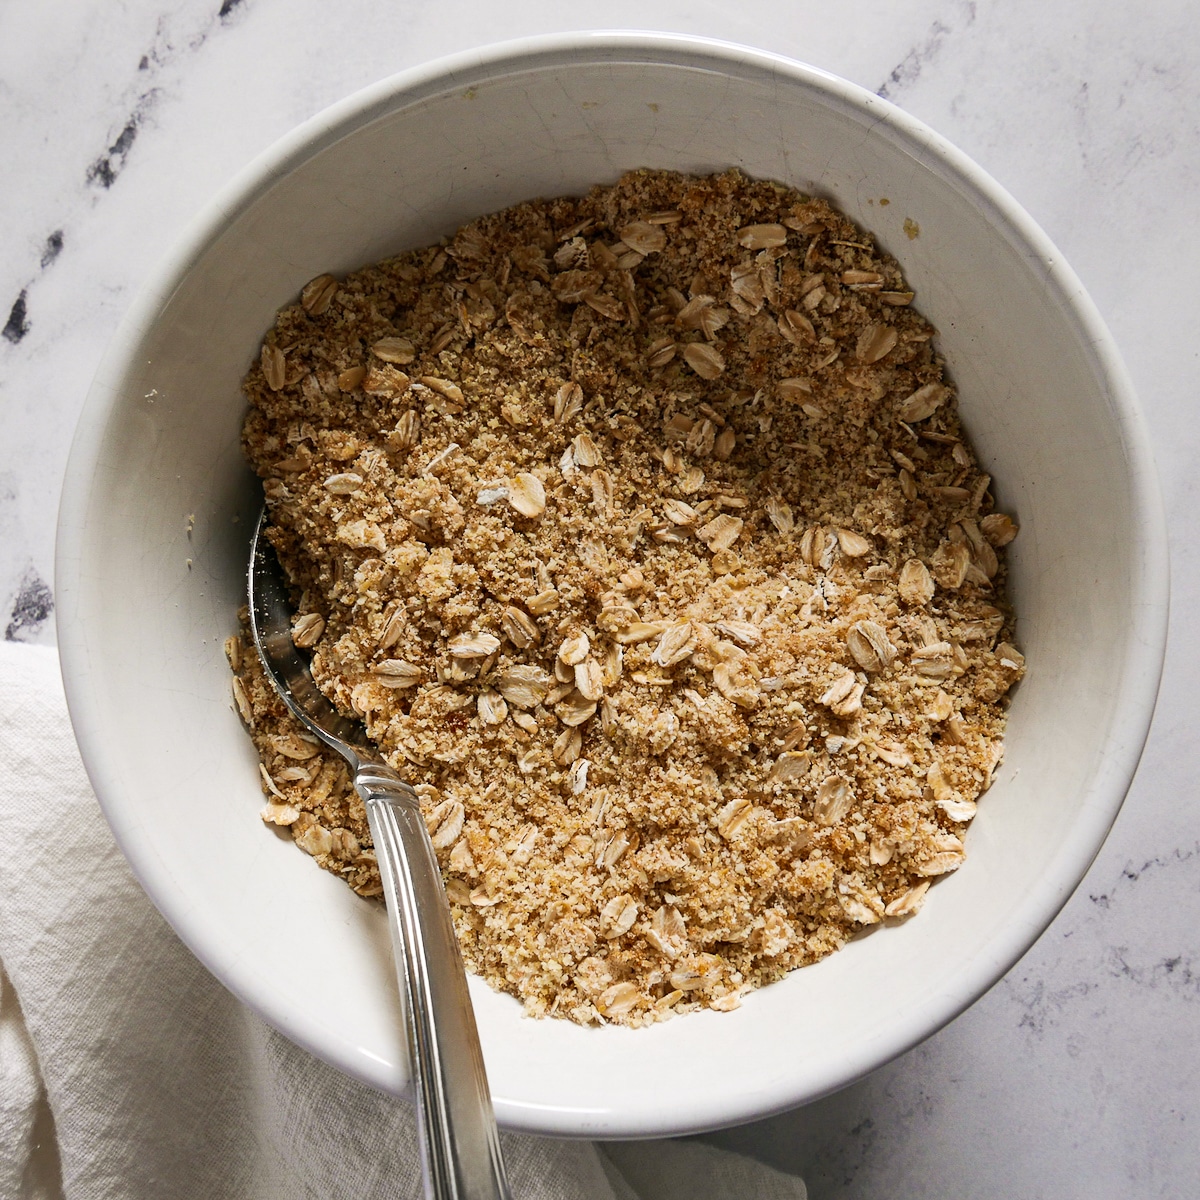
{"points": [[144, 604]]}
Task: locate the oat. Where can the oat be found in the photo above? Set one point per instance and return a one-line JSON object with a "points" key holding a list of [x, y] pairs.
{"points": [[345, 483], [641, 532], [396, 673], [473, 645], [721, 532], [998, 528], [543, 602], [395, 350], [916, 584], [853, 545], [274, 367], [567, 747], [909, 902], [834, 799], [704, 359], [668, 932], [576, 708], [568, 401], [523, 685], [676, 643], [723, 446], [242, 701], [844, 695], [617, 1000], [644, 237], [589, 679], [660, 352], [574, 650], [924, 402], [875, 342], [868, 642], [527, 495], [445, 823], [491, 707], [792, 764], [306, 630], [617, 916], [745, 633], [779, 512], [733, 817]]}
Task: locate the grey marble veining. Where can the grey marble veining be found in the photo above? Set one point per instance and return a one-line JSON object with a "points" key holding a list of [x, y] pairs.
{"points": [[1076, 1075]]}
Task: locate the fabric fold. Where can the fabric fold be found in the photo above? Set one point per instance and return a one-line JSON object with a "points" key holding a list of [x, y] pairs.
{"points": [[155, 1082]]}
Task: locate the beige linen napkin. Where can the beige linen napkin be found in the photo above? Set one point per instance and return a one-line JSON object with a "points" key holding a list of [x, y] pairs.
{"points": [[127, 1071]]}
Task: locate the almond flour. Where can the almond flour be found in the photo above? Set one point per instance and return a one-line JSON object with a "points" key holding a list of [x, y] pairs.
{"points": [[641, 533]]}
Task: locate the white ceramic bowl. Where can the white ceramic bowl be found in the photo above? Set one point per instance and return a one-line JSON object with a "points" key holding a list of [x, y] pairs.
{"points": [[144, 604]]}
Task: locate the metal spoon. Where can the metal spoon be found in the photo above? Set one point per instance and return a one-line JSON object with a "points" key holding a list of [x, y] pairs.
{"points": [[460, 1149]]}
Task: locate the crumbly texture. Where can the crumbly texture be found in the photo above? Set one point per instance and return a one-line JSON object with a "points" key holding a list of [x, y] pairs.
{"points": [[641, 532]]}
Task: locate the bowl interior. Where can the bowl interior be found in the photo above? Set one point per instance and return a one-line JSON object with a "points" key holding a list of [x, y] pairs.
{"points": [[159, 506]]}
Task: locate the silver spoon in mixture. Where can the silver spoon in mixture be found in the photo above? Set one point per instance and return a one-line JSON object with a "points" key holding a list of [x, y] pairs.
{"points": [[460, 1149]]}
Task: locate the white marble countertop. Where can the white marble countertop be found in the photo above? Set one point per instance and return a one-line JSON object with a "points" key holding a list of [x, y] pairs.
{"points": [[1076, 1075]]}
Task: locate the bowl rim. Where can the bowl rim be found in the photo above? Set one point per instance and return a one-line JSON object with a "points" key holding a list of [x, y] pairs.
{"points": [[1141, 670]]}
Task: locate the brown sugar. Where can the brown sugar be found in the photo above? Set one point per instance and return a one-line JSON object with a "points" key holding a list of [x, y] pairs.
{"points": [[640, 531]]}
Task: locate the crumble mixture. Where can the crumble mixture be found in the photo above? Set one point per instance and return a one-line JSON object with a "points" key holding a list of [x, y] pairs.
{"points": [[641, 532]]}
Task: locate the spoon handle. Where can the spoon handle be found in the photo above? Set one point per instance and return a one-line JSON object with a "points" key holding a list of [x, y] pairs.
{"points": [[460, 1149]]}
